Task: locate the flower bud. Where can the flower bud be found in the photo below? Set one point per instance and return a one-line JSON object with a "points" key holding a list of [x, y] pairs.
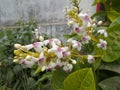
{"points": [[17, 46], [28, 57], [100, 22], [41, 38], [74, 61], [70, 23], [23, 48], [15, 60]]}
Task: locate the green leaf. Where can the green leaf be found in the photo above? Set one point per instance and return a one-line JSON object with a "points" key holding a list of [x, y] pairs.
{"points": [[30, 82], [110, 84], [112, 14], [1, 34], [96, 64], [113, 42], [80, 80], [46, 75], [113, 66], [57, 79], [70, 35]]}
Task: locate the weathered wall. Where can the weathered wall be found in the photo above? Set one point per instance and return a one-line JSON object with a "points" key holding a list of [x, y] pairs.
{"points": [[45, 11]]}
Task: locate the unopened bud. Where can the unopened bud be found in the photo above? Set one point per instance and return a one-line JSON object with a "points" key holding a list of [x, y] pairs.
{"points": [[23, 48], [100, 22], [70, 23], [94, 20], [28, 57], [73, 61], [41, 38], [15, 60], [17, 46], [94, 25]]}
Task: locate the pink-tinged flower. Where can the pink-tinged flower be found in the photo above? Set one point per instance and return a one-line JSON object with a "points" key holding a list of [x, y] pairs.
{"points": [[38, 46], [78, 29], [86, 18], [86, 39], [90, 59], [102, 44], [51, 66], [68, 67], [103, 32], [27, 64], [58, 63], [77, 45], [60, 51], [54, 41], [41, 59]]}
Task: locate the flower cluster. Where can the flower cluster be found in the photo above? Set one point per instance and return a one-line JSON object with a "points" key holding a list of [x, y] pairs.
{"points": [[48, 54], [51, 54]]}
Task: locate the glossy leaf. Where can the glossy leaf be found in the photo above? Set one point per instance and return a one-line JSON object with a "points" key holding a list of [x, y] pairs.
{"points": [[112, 14], [112, 52], [57, 79], [80, 80], [110, 83]]}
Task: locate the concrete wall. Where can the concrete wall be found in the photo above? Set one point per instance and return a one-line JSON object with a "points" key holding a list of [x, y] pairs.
{"points": [[45, 11]]}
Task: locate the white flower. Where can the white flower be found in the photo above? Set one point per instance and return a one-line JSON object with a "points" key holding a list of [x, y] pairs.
{"points": [[70, 40], [77, 45], [27, 64], [68, 67], [38, 46], [41, 59], [46, 42], [102, 44], [36, 33], [102, 31], [51, 66], [31, 58], [85, 39], [89, 24], [91, 59], [60, 51], [58, 63], [57, 41]]}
